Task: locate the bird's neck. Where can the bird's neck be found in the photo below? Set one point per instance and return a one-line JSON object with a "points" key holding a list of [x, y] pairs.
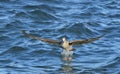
{"points": [[65, 41]]}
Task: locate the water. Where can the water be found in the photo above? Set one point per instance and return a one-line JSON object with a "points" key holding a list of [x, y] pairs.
{"points": [[74, 19]]}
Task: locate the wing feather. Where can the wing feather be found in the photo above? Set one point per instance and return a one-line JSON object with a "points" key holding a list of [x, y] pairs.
{"points": [[76, 42], [39, 38]]}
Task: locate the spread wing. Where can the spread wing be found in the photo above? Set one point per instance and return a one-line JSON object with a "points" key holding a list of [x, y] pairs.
{"points": [[39, 38], [77, 42]]}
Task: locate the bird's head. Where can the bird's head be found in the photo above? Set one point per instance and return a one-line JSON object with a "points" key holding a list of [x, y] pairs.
{"points": [[64, 39]]}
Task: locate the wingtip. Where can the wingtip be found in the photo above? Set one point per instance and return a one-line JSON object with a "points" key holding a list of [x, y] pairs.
{"points": [[102, 35], [24, 32]]}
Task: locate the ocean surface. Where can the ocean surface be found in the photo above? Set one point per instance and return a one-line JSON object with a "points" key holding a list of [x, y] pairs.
{"points": [[54, 19]]}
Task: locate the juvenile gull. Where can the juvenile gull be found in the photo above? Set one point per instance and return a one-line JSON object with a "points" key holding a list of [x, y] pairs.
{"points": [[65, 44]]}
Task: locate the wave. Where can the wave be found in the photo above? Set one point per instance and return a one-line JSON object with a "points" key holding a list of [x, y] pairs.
{"points": [[21, 15], [77, 29], [44, 7], [4, 38], [5, 61], [16, 25], [112, 62], [4, 0], [41, 15], [14, 50]]}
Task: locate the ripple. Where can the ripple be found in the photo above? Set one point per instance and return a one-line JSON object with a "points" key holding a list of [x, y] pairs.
{"points": [[80, 28], [39, 52], [112, 63], [4, 38], [16, 25], [21, 15], [112, 5], [5, 42], [44, 7], [4, 61], [116, 15], [17, 50], [41, 15], [31, 6], [4, 0]]}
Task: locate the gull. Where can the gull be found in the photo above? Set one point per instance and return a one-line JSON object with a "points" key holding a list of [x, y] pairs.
{"points": [[65, 44]]}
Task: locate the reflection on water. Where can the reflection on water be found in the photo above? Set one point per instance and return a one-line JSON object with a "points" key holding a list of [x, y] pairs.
{"points": [[67, 67], [67, 55]]}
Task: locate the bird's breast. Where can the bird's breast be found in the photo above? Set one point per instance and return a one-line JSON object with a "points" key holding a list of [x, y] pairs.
{"points": [[66, 45]]}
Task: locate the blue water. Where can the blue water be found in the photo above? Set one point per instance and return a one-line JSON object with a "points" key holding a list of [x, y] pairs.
{"points": [[74, 19]]}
